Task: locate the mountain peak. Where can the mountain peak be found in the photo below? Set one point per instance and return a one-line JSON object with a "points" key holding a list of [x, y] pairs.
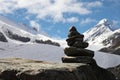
{"points": [[99, 32], [107, 23], [104, 26], [104, 21]]}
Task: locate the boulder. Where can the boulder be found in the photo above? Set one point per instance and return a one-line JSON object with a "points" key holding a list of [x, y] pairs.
{"points": [[23, 69]]}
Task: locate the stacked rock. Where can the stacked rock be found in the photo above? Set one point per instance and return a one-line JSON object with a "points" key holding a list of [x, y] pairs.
{"points": [[76, 52]]}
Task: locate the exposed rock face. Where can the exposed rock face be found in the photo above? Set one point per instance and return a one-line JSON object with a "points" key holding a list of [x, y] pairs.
{"points": [[114, 40], [117, 51], [111, 50], [11, 35], [22, 69], [2, 38], [47, 42]]}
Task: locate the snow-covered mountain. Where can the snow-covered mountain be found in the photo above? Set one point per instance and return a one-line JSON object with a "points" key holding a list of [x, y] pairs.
{"points": [[100, 32], [18, 25], [105, 34], [16, 33], [20, 43]]}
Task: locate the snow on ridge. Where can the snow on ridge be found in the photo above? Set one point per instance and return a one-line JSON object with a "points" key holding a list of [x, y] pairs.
{"points": [[100, 32], [7, 25], [96, 32], [104, 21], [17, 25], [108, 23]]}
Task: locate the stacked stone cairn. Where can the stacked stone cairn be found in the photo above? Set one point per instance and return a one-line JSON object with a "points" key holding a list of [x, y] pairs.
{"points": [[76, 52]]}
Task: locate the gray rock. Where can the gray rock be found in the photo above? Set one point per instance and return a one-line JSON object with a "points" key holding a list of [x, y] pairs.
{"points": [[75, 39], [117, 51], [3, 38], [73, 51], [79, 44], [22, 69], [79, 59], [73, 32]]}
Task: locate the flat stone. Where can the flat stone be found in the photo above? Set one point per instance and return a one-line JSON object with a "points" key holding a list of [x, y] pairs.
{"points": [[79, 59], [72, 40], [72, 51], [76, 36], [79, 44]]}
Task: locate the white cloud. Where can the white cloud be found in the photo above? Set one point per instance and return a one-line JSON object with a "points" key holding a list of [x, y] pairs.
{"points": [[87, 21], [49, 9], [94, 4], [72, 19], [7, 6], [35, 25]]}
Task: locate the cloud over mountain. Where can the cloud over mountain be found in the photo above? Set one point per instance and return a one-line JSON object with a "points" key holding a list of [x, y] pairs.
{"points": [[52, 9]]}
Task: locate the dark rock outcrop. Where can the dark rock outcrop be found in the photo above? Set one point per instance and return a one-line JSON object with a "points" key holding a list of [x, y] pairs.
{"points": [[72, 51], [115, 71], [3, 38], [117, 51], [47, 42], [111, 50], [14, 36], [23, 69], [105, 49], [114, 41]]}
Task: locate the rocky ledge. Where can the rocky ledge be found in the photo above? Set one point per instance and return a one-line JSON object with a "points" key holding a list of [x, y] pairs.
{"points": [[24, 69]]}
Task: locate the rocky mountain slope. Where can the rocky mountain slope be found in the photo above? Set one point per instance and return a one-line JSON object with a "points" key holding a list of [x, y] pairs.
{"points": [[105, 33], [11, 31], [99, 32]]}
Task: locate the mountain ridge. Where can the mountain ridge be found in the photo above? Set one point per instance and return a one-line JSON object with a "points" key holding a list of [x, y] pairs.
{"points": [[100, 31], [16, 33], [106, 35], [108, 23]]}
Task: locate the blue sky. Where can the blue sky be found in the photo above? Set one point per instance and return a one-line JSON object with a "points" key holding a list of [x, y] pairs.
{"points": [[54, 17]]}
